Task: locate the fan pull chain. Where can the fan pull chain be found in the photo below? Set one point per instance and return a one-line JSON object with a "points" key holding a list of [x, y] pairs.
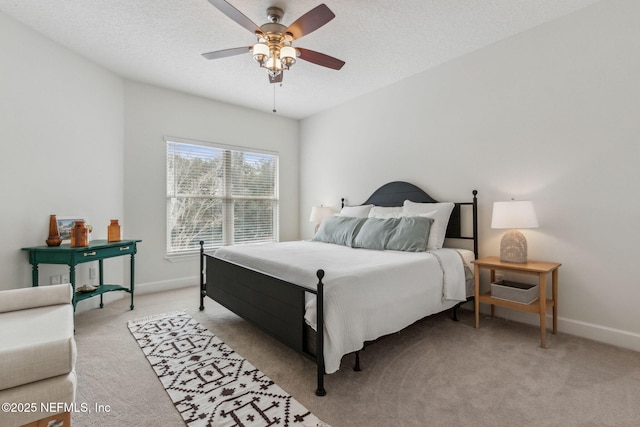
{"points": [[274, 98]]}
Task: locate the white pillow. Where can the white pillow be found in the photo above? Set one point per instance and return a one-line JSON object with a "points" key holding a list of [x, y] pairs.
{"points": [[440, 212], [385, 212], [356, 211]]}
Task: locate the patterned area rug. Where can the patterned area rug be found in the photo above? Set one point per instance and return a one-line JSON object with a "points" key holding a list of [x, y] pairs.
{"points": [[210, 384]]}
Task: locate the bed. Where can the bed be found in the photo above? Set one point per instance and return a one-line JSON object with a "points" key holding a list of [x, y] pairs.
{"points": [[345, 280]]}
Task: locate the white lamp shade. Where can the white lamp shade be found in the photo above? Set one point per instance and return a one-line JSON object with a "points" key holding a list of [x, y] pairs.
{"points": [[260, 52], [514, 214], [319, 213], [288, 55]]}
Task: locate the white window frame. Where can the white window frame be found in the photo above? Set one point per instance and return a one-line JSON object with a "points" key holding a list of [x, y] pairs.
{"points": [[227, 197]]}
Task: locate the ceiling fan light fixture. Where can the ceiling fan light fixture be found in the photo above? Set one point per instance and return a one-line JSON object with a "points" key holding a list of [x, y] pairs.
{"points": [[273, 49], [260, 52], [288, 56], [273, 65]]}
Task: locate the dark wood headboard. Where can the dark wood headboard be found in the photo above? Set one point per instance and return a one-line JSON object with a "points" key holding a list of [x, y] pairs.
{"points": [[396, 192]]}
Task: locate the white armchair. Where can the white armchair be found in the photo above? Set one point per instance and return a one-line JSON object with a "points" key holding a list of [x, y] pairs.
{"points": [[37, 356]]}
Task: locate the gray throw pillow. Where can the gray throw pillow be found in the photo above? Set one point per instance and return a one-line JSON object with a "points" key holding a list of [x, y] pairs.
{"points": [[410, 235], [375, 233], [340, 230]]}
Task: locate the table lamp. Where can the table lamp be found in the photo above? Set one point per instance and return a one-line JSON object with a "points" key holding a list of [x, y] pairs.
{"points": [[513, 215], [318, 214]]}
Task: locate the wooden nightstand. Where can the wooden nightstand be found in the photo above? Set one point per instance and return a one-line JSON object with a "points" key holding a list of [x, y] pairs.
{"points": [[536, 268]]}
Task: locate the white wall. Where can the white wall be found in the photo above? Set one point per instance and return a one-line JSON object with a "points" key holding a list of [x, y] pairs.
{"points": [[152, 113], [550, 115], [61, 120]]}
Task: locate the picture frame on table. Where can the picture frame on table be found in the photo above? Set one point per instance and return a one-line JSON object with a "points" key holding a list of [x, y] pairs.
{"points": [[66, 223]]}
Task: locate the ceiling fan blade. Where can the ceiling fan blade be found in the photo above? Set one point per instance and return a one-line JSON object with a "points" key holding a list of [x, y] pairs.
{"points": [[226, 52], [236, 15], [320, 58], [276, 79], [310, 21]]}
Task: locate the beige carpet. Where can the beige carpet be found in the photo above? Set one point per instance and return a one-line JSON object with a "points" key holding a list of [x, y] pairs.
{"points": [[435, 373]]}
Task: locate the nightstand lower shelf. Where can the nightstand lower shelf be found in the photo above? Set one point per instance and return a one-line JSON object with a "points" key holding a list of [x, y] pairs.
{"points": [[534, 307]]}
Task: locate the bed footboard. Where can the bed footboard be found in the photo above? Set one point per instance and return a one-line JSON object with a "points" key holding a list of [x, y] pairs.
{"points": [[273, 305]]}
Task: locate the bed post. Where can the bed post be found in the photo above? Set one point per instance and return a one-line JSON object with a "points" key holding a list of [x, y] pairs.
{"points": [[475, 223], [454, 314], [320, 391], [203, 285]]}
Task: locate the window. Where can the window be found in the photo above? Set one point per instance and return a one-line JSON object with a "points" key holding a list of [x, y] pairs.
{"points": [[219, 194]]}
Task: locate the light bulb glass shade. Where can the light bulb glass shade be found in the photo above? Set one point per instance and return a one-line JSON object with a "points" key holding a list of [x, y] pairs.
{"points": [[273, 63], [514, 214], [260, 52], [320, 213], [288, 56]]}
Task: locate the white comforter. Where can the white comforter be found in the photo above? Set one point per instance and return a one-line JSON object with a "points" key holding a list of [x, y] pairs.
{"points": [[368, 293]]}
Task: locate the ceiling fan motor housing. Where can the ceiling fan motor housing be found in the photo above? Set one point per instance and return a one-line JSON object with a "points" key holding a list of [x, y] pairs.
{"points": [[275, 14]]}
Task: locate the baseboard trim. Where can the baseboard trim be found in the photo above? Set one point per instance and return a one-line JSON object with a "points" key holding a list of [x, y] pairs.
{"points": [[166, 285], [604, 334]]}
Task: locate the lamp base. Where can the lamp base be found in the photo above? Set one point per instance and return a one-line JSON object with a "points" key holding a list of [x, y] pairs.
{"points": [[513, 247]]}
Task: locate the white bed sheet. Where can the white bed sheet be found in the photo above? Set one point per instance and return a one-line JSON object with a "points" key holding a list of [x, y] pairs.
{"points": [[368, 293]]}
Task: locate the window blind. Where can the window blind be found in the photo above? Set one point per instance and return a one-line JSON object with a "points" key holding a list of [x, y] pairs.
{"points": [[220, 195]]}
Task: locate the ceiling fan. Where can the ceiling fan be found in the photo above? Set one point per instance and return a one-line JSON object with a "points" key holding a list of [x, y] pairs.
{"points": [[274, 50]]}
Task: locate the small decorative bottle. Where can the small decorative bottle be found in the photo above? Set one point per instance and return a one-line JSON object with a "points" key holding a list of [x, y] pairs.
{"points": [[79, 235], [54, 236], [113, 231]]}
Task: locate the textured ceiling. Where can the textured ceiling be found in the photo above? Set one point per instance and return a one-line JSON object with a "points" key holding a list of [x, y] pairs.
{"points": [[161, 41]]}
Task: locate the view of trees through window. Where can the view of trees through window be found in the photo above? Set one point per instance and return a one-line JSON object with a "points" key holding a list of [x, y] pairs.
{"points": [[219, 195]]}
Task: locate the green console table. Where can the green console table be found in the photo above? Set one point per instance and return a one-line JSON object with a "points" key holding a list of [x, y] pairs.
{"points": [[98, 250]]}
